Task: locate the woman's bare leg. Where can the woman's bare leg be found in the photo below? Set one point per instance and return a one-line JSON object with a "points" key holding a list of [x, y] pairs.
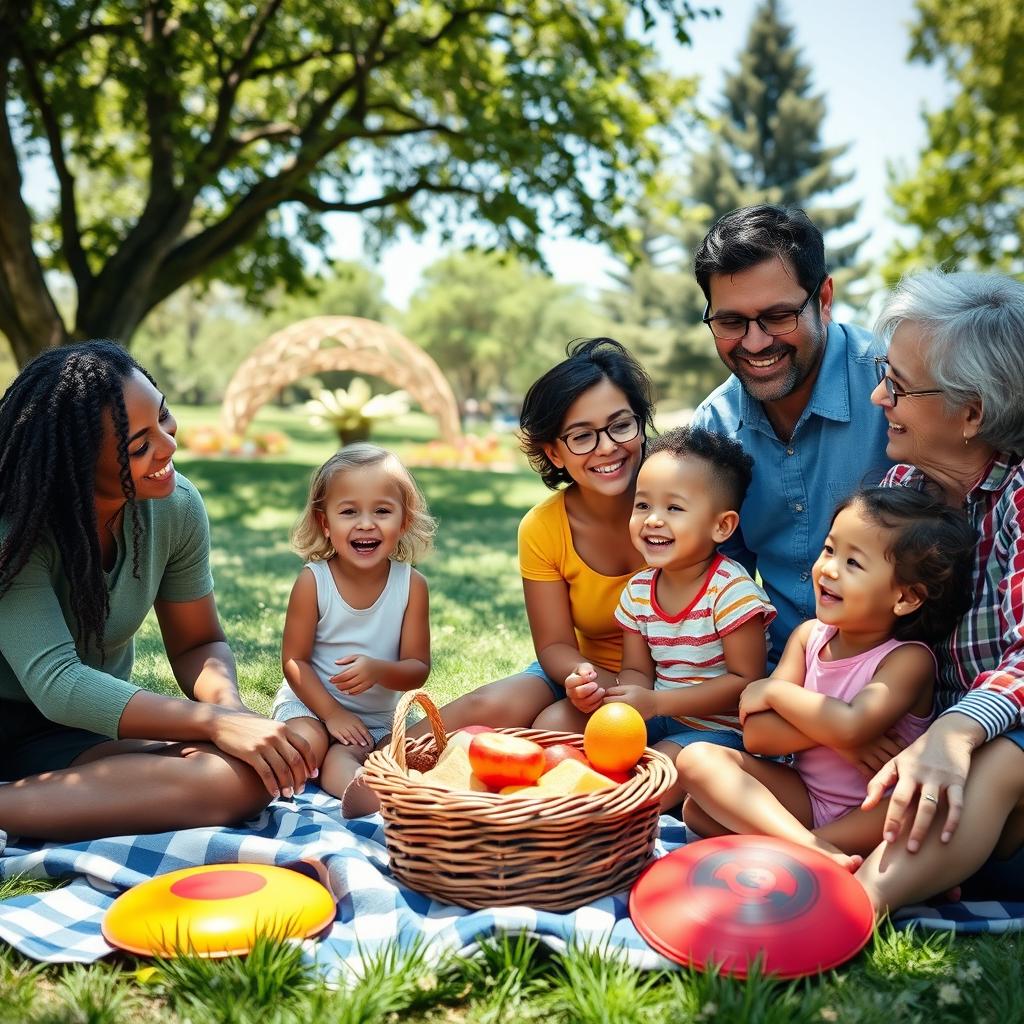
{"points": [[509, 703], [893, 877], [146, 788], [747, 794]]}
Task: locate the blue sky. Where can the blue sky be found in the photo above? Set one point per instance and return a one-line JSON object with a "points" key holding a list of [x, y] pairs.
{"points": [[858, 52]]}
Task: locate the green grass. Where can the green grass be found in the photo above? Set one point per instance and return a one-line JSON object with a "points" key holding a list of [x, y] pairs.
{"points": [[479, 633]]}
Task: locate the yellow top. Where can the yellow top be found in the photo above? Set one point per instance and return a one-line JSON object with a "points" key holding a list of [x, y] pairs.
{"points": [[546, 554]]}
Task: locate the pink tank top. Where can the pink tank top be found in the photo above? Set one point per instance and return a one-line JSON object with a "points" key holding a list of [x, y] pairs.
{"points": [[827, 775]]}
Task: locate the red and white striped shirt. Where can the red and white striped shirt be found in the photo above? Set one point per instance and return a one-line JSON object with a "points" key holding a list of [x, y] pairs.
{"points": [[687, 648]]}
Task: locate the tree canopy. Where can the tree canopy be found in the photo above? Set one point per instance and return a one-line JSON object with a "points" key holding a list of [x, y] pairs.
{"points": [[763, 145], [202, 141], [494, 323], [965, 200]]}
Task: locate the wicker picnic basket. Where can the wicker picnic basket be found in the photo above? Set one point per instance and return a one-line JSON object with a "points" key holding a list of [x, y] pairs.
{"points": [[486, 850]]}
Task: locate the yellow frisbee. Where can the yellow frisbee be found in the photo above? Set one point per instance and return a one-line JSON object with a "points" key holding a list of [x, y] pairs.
{"points": [[216, 910]]}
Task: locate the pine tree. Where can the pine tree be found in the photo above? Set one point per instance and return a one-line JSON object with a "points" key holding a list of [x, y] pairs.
{"points": [[764, 146]]}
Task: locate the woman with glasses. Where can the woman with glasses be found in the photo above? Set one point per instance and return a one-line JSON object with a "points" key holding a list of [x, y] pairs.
{"points": [[582, 427], [952, 391]]}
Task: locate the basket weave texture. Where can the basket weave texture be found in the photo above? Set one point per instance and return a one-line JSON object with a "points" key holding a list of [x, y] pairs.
{"points": [[487, 850]]}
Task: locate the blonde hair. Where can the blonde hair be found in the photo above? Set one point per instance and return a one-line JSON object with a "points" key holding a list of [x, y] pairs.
{"points": [[418, 525]]}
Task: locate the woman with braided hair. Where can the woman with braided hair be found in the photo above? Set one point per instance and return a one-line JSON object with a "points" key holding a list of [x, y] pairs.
{"points": [[96, 528]]}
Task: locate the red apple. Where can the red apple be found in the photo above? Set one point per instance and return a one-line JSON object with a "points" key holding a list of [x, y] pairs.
{"points": [[562, 752], [500, 760], [474, 729], [619, 777]]}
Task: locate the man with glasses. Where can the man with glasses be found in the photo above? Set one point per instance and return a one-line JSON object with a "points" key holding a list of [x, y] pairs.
{"points": [[797, 399]]}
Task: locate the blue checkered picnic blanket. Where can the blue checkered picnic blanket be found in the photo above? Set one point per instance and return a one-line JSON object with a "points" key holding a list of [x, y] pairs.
{"points": [[350, 858]]}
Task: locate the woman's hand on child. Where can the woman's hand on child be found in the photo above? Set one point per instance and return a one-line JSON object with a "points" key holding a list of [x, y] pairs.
{"points": [[637, 697], [936, 764], [281, 758], [359, 675], [582, 690], [348, 729]]}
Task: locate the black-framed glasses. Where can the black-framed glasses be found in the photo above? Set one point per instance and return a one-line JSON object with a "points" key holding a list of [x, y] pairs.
{"points": [[892, 389], [584, 440], [733, 327]]}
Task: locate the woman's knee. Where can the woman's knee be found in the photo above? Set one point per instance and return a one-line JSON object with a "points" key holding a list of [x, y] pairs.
{"points": [[223, 789]]}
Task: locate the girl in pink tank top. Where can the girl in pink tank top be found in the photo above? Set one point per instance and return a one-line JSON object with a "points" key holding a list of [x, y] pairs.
{"points": [[894, 576]]}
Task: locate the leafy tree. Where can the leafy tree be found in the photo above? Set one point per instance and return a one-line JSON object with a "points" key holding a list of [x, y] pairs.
{"points": [[200, 141], [966, 198], [764, 145], [494, 323]]}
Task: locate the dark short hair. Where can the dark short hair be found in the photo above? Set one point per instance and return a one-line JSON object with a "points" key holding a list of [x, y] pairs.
{"points": [[590, 361], [753, 234], [730, 467], [932, 549]]}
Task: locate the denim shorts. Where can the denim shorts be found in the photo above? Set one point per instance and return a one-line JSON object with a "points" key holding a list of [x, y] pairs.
{"points": [[534, 669], [664, 728], [1015, 736]]}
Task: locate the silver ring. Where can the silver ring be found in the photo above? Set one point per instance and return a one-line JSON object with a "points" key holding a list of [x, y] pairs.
{"points": [[931, 799]]}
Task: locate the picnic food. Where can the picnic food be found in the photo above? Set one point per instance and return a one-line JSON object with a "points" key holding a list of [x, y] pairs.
{"points": [[501, 760], [615, 737], [453, 771], [559, 752]]}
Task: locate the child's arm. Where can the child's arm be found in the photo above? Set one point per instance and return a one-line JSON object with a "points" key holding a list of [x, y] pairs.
{"points": [[297, 649], [360, 672], [634, 684], [744, 651], [901, 681], [766, 731]]}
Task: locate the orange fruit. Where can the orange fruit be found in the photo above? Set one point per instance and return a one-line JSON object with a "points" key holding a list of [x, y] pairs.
{"points": [[615, 738]]}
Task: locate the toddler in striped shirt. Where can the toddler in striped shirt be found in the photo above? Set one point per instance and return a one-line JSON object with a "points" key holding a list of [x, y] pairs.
{"points": [[694, 623]]}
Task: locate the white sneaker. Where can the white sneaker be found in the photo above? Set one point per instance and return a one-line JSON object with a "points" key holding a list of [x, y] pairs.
{"points": [[3, 841]]}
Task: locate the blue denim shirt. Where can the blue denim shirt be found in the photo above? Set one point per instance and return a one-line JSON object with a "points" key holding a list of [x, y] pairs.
{"points": [[837, 446]]}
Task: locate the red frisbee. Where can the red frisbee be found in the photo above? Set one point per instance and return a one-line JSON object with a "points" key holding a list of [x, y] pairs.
{"points": [[735, 900]]}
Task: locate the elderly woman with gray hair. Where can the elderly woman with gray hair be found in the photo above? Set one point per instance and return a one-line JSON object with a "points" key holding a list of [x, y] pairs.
{"points": [[952, 390]]}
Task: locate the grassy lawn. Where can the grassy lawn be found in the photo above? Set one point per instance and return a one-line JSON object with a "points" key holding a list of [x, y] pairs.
{"points": [[479, 633]]}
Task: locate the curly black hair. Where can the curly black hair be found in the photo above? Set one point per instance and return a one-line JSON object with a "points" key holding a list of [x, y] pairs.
{"points": [[932, 549], [51, 429], [730, 467], [590, 360]]}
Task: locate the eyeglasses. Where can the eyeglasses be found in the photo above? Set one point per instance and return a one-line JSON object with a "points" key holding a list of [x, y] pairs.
{"points": [[892, 389], [586, 439], [732, 326]]}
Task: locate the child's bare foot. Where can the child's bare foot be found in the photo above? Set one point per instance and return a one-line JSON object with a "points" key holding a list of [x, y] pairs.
{"points": [[358, 799]]}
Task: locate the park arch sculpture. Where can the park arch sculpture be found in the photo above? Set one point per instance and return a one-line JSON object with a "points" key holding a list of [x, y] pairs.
{"points": [[338, 343]]}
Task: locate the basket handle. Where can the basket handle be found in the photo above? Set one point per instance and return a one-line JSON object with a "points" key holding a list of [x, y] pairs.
{"points": [[401, 712]]}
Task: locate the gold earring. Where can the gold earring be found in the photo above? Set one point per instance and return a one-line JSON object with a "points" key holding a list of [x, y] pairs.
{"points": [[967, 440]]}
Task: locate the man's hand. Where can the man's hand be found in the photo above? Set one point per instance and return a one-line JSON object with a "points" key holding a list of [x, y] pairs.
{"points": [[582, 690], [637, 697], [359, 675], [281, 758]]}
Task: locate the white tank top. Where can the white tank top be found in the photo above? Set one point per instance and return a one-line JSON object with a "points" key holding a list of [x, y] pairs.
{"points": [[342, 630]]}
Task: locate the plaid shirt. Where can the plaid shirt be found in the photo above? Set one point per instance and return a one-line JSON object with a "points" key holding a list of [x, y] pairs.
{"points": [[981, 665]]}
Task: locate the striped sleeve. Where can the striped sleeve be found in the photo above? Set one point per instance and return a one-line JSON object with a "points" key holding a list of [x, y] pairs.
{"points": [[738, 601], [631, 612]]}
